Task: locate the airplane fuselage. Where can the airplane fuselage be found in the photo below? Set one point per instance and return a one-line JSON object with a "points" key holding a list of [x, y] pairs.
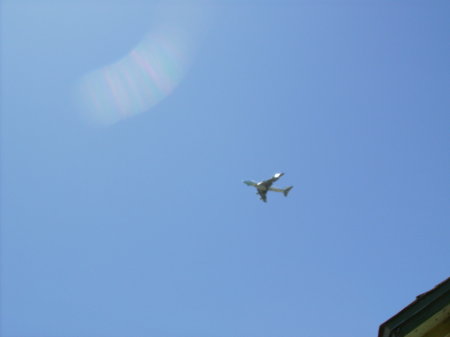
{"points": [[263, 186]]}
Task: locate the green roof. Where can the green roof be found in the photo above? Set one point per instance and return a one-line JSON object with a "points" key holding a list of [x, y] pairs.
{"points": [[429, 310]]}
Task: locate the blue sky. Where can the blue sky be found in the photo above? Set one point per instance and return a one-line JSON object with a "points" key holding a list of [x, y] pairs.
{"points": [[138, 224]]}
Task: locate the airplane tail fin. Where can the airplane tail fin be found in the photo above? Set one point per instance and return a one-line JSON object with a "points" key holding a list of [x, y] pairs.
{"points": [[286, 190]]}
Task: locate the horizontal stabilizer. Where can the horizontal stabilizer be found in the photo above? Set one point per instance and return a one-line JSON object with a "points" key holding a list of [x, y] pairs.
{"points": [[286, 190]]}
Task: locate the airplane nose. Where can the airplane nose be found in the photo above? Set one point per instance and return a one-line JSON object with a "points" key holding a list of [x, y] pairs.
{"points": [[278, 175]]}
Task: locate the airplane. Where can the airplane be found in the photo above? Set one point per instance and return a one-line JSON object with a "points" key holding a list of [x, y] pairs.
{"points": [[264, 186]]}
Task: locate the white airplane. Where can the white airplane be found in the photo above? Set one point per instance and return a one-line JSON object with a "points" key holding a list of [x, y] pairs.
{"points": [[264, 186]]}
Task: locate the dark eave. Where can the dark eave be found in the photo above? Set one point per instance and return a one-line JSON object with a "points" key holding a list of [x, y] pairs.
{"points": [[425, 306]]}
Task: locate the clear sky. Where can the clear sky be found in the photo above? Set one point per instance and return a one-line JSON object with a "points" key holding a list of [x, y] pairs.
{"points": [[127, 128]]}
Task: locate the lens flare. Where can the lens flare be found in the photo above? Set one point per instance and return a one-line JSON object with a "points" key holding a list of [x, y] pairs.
{"points": [[135, 83], [150, 71]]}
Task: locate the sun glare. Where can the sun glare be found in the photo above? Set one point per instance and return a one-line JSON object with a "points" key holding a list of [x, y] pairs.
{"points": [[146, 75]]}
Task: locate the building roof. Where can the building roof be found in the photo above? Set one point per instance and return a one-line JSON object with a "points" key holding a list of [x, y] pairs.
{"points": [[429, 312]]}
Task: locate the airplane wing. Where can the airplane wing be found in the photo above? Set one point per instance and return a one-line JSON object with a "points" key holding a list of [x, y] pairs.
{"points": [[277, 176], [263, 195], [250, 183], [270, 181]]}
